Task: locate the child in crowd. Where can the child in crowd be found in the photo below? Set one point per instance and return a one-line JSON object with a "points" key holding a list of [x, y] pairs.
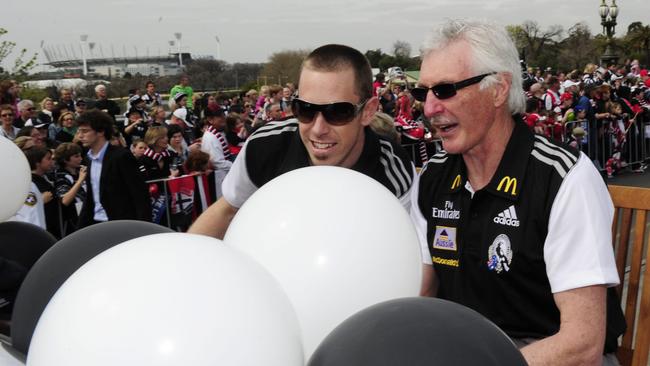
{"points": [[41, 163]]}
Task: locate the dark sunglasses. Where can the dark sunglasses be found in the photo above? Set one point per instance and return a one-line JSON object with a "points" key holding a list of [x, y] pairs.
{"points": [[446, 90], [336, 114]]}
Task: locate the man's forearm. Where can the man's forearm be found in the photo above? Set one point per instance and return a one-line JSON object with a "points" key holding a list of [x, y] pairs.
{"points": [[561, 350], [581, 338], [215, 220]]}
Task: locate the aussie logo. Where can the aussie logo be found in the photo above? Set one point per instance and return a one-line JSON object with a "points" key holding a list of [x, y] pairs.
{"points": [[508, 217], [447, 213], [500, 254], [445, 238]]}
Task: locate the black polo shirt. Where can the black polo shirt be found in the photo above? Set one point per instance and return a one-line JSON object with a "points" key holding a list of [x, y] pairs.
{"points": [[276, 148], [489, 248]]}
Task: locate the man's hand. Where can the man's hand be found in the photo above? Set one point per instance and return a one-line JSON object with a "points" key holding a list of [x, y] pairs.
{"points": [[581, 338]]}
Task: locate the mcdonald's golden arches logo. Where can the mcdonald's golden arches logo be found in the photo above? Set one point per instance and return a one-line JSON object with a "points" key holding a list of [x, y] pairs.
{"points": [[456, 182], [507, 183]]}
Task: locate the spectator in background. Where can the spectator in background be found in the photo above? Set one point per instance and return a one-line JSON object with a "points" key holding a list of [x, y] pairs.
{"points": [[104, 104], [176, 143], [236, 134], [138, 147], [9, 95], [45, 115], [135, 125], [215, 144], [65, 98], [116, 190], [378, 83], [387, 101], [384, 126], [26, 112], [184, 87], [41, 163], [80, 107], [8, 129], [70, 184], [24, 143], [38, 139], [158, 159], [158, 116], [68, 128], [151, 97], [273, 112], [552, 97], [287, 97]]}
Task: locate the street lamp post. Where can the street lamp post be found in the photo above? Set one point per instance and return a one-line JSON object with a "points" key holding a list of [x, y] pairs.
{"points": [[178, 36], [608, 16], [84, 38]]}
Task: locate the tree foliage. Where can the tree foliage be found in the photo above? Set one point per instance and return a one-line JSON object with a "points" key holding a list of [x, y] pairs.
{"points": [[573, 49], [22, 64], [283, 67]]}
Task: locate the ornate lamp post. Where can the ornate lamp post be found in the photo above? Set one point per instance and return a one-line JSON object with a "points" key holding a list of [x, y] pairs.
{"points": [[608, 16]]}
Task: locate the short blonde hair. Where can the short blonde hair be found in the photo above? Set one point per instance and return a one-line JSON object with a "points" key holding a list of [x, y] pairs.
{"points": [[153, 134], [45, 100]]}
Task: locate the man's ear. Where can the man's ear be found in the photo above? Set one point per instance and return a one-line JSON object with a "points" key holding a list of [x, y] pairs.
{"points": [[369, 110], [501, 89]]}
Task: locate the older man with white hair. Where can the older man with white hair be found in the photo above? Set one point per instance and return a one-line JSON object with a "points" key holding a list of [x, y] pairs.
{"points": [[103, 103], [496, 209]]}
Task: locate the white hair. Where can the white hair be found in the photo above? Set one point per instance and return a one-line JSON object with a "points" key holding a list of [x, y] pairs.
{"points": [[24, 104], [492, 49], [99, 87]]}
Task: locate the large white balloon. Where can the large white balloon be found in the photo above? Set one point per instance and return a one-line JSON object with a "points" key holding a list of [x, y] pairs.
{"points": [[168, 299], [15, 180], [337, 240]]}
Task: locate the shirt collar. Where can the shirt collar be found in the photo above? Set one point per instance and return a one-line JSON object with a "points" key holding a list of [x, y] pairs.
{"points": [[100, 155], [508, 180], [509, 176]]}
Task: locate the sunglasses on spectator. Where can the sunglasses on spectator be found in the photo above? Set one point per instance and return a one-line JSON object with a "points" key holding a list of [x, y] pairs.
{"points": [[446, 90], [7, 115], [336, 114], [29, 109]]}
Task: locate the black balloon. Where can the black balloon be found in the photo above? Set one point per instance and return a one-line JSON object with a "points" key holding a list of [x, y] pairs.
{"points": [[416, 331], [59, 263], [23, 243]]}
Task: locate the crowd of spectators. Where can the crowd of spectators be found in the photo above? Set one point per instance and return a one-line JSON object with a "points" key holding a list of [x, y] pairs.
{"points": [[602, 111]]}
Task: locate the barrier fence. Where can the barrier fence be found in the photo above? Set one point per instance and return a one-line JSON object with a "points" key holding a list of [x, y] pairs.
{"points": [[610, 145]]}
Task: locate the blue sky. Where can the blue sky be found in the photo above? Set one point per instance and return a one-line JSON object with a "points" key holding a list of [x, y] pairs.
{"points": [[249, 31]]}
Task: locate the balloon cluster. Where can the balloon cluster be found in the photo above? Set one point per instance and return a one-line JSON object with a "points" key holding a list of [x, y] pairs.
{"points": [[307, 251]]}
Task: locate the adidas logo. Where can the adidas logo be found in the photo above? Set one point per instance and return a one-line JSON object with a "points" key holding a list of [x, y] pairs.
{"points": [[508, 217]]}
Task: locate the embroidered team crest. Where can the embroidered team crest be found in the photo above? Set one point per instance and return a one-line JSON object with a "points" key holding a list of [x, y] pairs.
{"points": [[445, 238], [500, 254]]}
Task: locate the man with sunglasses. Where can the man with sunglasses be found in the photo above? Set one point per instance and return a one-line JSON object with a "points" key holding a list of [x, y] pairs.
{"points": [[332, 113], [496, 211]]}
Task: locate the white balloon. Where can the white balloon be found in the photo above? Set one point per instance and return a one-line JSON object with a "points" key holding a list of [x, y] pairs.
{"points": [[16, 178], [337, 240], [168, 299]]}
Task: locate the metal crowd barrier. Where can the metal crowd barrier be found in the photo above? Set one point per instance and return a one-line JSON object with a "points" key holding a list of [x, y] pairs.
{"points": [[165, 198]]}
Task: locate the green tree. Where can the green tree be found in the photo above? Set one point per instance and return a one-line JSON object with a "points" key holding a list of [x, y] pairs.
{"points": [[577, 49], [637, 41], [374, 57], [283, 67], [22, 63], [532, 41]]}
